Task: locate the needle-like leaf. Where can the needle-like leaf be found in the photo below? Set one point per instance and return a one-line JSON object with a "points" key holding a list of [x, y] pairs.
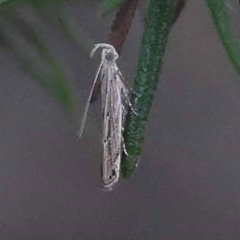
{"points": [[222, 22], [159, 20]]}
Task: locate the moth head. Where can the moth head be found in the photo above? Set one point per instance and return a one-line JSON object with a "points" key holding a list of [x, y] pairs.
{"points": [[109, 56], [109, 53]]}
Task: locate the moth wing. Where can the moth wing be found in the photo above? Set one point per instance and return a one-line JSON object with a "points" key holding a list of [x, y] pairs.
{"points": [[112, 117], [124, 92]]}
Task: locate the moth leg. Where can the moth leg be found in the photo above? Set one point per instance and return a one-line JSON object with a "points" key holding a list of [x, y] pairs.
{"points": [[124, 147], [128, 102], [131, 107], [133, 92], [124, 112], [126, 98], [136, 99]]}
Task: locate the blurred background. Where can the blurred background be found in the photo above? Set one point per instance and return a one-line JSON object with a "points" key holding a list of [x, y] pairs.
{"points": [[187, 183]]}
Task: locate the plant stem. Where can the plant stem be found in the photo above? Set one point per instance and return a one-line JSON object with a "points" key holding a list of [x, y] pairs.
{"points": [[159, 20]]}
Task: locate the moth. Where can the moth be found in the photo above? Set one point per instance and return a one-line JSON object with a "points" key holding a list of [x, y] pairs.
{"points": [[115, 102]]}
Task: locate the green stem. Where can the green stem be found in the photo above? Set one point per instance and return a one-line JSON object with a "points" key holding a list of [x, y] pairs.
{"points": [[222, 22], [159, 21]]}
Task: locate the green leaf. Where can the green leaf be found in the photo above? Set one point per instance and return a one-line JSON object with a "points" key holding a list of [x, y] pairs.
{"points": [[159, 20], [26, 62], [54, 78], [109, 6], [223, 25], [44, 3], [3, 1], [59, 82]]}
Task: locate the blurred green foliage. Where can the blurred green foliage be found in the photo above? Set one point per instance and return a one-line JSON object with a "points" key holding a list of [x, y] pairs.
{"points": [[109, 6], [222, 21], [52, 77]]}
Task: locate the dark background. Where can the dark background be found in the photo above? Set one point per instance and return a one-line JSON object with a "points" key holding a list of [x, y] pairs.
{"points": [[187, 183]]}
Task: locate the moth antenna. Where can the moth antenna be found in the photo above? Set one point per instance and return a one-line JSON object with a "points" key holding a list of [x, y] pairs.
{"points": [[94, 50], [84, 118], [104, 46]]}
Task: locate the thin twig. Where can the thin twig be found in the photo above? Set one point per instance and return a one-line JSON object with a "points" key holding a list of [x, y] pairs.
{"points": [[179, 6], [122, 24]]}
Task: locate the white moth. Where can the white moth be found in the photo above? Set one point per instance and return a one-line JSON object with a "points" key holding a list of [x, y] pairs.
{"points": [[115, 98]]}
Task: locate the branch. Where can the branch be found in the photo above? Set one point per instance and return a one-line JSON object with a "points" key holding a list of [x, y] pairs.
{"points": [[122, 24]]}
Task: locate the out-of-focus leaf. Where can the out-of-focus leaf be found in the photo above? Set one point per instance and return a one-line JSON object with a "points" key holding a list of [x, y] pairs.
{"points": [[2, 1], [45, 68], [223, 25], [76, 33], [54, 78], [59, 83], [27, 63], [54, 81], [44, 3], [110, 5]]}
